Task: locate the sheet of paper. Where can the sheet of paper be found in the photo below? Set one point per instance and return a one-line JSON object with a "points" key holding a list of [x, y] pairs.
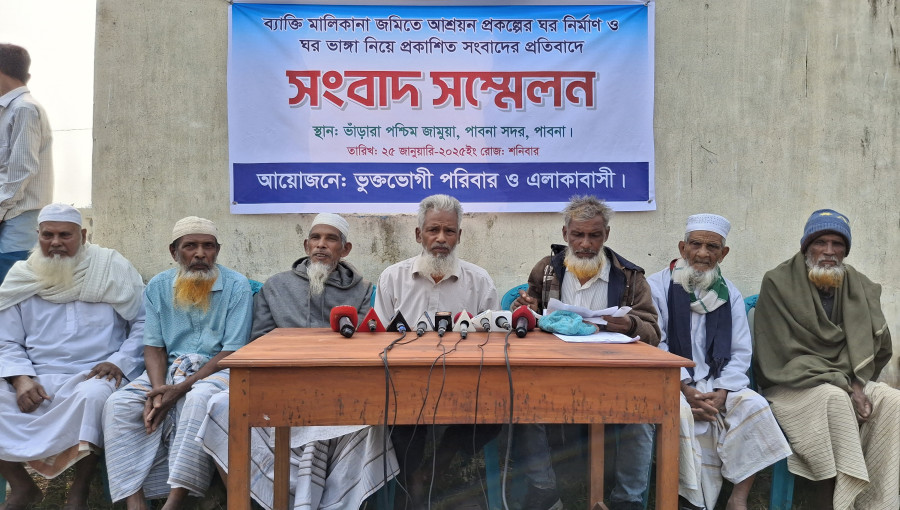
{"points": [[593, 316], [603, 337]]}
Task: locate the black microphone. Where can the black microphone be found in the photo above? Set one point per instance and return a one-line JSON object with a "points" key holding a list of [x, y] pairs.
{"points": [[398, 323], [343, 318], [524, 320], [444, 322]]}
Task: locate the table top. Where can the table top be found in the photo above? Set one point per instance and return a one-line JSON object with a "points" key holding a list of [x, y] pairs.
{"points": [[307, 347]]}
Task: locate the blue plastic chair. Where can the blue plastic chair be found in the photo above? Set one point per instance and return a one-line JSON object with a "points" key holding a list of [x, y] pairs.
{"points": [[781, 495], [511, 296]]}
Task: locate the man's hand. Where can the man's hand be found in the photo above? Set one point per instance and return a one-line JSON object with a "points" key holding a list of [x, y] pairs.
{"points": [[715, 399], [526, 300], [29, 393], [159, 401], [861, 403], [108, 371], [702, 408], [618, 324]]}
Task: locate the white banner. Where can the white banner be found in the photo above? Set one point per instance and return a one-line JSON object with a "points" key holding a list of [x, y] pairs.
{"points": [[370, 108]]}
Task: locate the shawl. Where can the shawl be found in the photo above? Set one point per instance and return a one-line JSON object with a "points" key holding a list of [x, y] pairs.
{"points": [[104, 276], [796, 344]]}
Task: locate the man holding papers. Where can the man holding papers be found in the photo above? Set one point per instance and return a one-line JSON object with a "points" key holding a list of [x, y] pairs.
{"points": [[586, 273], [727, 430]]}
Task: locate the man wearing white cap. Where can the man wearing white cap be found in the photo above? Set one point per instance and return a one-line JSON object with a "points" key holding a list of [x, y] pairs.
{"points": [[334, 467], [71, 324], [727, 430], [197, 314]]}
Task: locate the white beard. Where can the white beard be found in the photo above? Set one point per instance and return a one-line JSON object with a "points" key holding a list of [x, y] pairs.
{"points": [[439, 266], [693, 280], [55, 270], [583, 268], [318, 273]]}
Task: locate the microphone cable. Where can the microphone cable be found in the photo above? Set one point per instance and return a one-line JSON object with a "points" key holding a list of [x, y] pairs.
{"points": [[388, 387], [509, 435], [475, 418]]}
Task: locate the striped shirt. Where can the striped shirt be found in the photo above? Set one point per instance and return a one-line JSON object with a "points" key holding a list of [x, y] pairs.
{"points": [[26, 164], [593, 294]]}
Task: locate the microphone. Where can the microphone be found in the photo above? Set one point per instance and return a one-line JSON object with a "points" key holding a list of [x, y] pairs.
{"points": [[461, 323], [444, 322], [523, 318], [482, 321], [424, 324], [501, 319], [398, 323], [371, 323], [343, 319]]}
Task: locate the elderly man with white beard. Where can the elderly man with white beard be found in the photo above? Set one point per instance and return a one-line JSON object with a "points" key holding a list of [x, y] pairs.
{"points": [[71, 323], [197, 313], [435, 280], [331, 467], [727, 430], [589, 274], [821, 342]]}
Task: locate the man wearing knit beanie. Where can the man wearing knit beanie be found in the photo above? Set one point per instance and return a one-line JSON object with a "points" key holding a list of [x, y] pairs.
{"points": [[197, 313], [821, 341]]}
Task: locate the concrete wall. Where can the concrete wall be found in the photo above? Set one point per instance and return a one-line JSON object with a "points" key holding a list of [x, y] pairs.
{"points": [[765, 111]]}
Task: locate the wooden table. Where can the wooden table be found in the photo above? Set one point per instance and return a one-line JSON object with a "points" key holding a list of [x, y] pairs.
{"points": [[293, 377]]}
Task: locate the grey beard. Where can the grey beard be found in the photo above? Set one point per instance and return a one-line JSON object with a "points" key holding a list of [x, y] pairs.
{"points": [[195, 275], [318, 273], [439, 266], [55, 270], [693, 280]]}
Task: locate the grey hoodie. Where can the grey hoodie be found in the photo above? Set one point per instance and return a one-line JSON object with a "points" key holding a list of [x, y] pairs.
{"points": [[285, 301]]}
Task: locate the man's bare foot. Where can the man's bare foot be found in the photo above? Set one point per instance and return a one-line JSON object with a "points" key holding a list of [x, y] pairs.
{"points": [[735, 504], [175, 499], [23, 499], [136, 501]]}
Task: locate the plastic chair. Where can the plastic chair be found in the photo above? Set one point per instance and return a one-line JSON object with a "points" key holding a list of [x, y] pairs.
{"points": [[511, 296], [781, 495]]}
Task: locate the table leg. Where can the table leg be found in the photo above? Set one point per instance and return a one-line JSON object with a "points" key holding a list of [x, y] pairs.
{"points": [[282, 467], [667, 458], [597, 444], [239, 441]]}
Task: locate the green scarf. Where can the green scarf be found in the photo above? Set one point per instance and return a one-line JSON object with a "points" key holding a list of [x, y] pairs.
{"points": [[796, 344], [709, 299]]}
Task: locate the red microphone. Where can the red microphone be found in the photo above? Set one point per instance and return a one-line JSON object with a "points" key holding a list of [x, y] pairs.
{"points": [[523, 318], [371, 323], [343, 319]]}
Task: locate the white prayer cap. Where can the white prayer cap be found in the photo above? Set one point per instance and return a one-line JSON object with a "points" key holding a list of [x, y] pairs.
{"points": [[708, 222], [333, 220], [193, 225], [60, 212]]}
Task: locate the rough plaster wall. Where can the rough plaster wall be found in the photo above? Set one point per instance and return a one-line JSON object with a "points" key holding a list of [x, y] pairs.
{"points": [[765, 111]]}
